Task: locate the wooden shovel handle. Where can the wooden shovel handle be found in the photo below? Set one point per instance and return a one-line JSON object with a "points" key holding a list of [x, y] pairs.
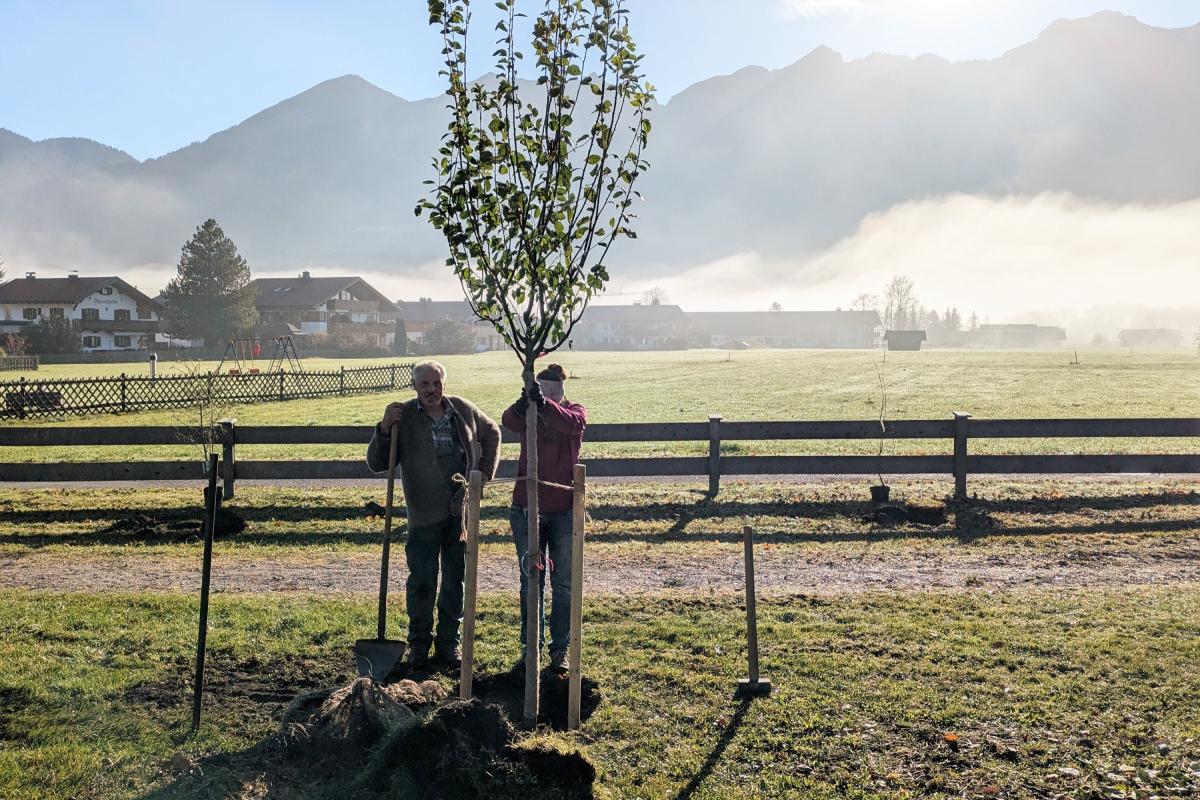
{"points": [[387, 531]]}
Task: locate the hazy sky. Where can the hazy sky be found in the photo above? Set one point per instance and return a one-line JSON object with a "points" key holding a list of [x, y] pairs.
{"points": [[150, 76]]}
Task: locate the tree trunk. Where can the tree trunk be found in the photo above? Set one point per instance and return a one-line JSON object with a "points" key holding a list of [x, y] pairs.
{"points": [[533, 596]]}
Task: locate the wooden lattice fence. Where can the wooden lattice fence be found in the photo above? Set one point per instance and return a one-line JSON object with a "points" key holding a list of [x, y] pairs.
{"points": [[27, 399]]}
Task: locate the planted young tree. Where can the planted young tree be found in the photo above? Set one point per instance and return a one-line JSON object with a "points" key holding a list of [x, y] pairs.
{"points": [[535, 183]]}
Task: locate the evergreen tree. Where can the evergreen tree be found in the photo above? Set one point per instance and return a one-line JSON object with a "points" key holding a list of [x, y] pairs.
{"points": [[52, 335], [211, 297], [400, 345]]}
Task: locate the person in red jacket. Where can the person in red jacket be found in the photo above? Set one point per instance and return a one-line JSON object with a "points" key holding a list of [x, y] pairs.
{"points": [[560, 435]]}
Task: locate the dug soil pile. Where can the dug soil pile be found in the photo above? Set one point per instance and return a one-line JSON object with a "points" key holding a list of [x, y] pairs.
{"points": [[412, 740], [173, 527]]}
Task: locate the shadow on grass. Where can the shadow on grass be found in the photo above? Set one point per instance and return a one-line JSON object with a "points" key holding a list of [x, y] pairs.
{"points": [[714, 757], [968, 521]]}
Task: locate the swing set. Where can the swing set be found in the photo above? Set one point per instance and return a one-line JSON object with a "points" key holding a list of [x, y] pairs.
{"points": [[243, 355]]}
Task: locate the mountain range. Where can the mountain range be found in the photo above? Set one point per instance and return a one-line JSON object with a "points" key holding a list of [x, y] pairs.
{"points": [[784, 163]]}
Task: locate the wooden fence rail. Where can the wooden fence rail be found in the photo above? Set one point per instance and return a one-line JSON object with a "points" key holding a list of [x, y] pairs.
{"points": [[18, 363], [961, 428]]}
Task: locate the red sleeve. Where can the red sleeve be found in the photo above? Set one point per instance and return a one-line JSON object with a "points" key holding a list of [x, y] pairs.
{"points": [[512, 420], [566, 418]]}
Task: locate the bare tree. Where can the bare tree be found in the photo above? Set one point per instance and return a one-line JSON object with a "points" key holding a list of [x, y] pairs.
{"points": [[655, 296], [776, 306], [865, 302], [899, 303]]}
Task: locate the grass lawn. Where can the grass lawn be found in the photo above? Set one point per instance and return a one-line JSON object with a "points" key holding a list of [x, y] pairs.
{"points": [[756, 385], [1043, 694]]}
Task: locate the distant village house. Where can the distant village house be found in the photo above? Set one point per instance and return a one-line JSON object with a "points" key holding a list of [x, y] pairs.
{"points": [[108, 313], [1150, 337], [825, 329], [345, 310]]}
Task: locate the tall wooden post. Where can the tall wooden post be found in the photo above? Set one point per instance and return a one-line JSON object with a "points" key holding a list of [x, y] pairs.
{"points": [[578, 518], [533, 594], [228, 441], [714, 454], [466, 674], [960, 454], [754, 684], [210, 523]]}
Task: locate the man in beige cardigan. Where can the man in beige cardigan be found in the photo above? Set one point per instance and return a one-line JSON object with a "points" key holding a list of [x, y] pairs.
{"points": [[441, 439]]}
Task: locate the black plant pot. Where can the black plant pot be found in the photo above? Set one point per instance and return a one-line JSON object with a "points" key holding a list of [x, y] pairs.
{"points": [[880, 493]]}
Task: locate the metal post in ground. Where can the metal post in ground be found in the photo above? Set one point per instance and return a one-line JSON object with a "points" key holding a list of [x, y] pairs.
{"points": [[754, 684], [578, 518], [466, 674], [210, 523]]}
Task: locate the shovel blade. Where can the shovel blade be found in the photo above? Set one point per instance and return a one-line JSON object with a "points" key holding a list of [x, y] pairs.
{"points": [[378, 659]]}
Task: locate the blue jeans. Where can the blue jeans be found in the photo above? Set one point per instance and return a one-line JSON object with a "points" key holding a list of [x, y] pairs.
{"points": [[556, 534]]}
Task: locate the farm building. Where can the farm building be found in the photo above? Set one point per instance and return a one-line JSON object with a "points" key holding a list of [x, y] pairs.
{"points": [[108, 313], [345, 308], [904, 340], [640, 326], [421, 315], [1017, 336], [1150, 337], [828, 329]]}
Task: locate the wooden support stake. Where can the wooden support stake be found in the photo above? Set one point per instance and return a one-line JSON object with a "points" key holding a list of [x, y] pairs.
{"points": [[466, 675], [754, 684], [210, 523], [533, 593], [960, 454], [578, 517]]}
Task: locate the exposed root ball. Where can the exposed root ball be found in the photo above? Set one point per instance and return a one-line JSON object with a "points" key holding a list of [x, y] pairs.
{"points": [[358, 714]]}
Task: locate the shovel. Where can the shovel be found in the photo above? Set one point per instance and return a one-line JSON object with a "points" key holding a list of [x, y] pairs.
{"points": [[378, 658]]}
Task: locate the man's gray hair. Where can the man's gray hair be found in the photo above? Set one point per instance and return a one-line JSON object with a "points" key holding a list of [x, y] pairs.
{"points": [[428, 365]]}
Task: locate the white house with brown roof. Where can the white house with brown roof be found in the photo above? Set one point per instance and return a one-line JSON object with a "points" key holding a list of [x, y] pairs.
{"points": [[109, 313], [345, 307]]}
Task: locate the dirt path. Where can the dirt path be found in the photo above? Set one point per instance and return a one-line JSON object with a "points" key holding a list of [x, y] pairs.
{"points": [[778, 571]]}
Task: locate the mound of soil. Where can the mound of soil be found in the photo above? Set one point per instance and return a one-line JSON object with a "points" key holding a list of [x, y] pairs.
{"points": [[466, 750], [507, 690], [422, 744], [174, 527], [896, 513]]}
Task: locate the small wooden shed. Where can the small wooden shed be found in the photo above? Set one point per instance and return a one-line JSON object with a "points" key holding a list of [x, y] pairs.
{"points": [[904, 340]]}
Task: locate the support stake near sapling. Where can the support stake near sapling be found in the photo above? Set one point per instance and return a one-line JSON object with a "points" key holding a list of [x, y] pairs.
{"points": [[755, 684]]}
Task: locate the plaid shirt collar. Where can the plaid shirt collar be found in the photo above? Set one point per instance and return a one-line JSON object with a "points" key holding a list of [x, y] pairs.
{"points": [[445, 432]]}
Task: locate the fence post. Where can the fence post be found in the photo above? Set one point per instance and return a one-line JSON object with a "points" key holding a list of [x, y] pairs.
{"points": [[281, 383], [21, 408], [123, 406], [342, 382], [714, 454], [960, 454], [393, 375], [228, 467]]}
